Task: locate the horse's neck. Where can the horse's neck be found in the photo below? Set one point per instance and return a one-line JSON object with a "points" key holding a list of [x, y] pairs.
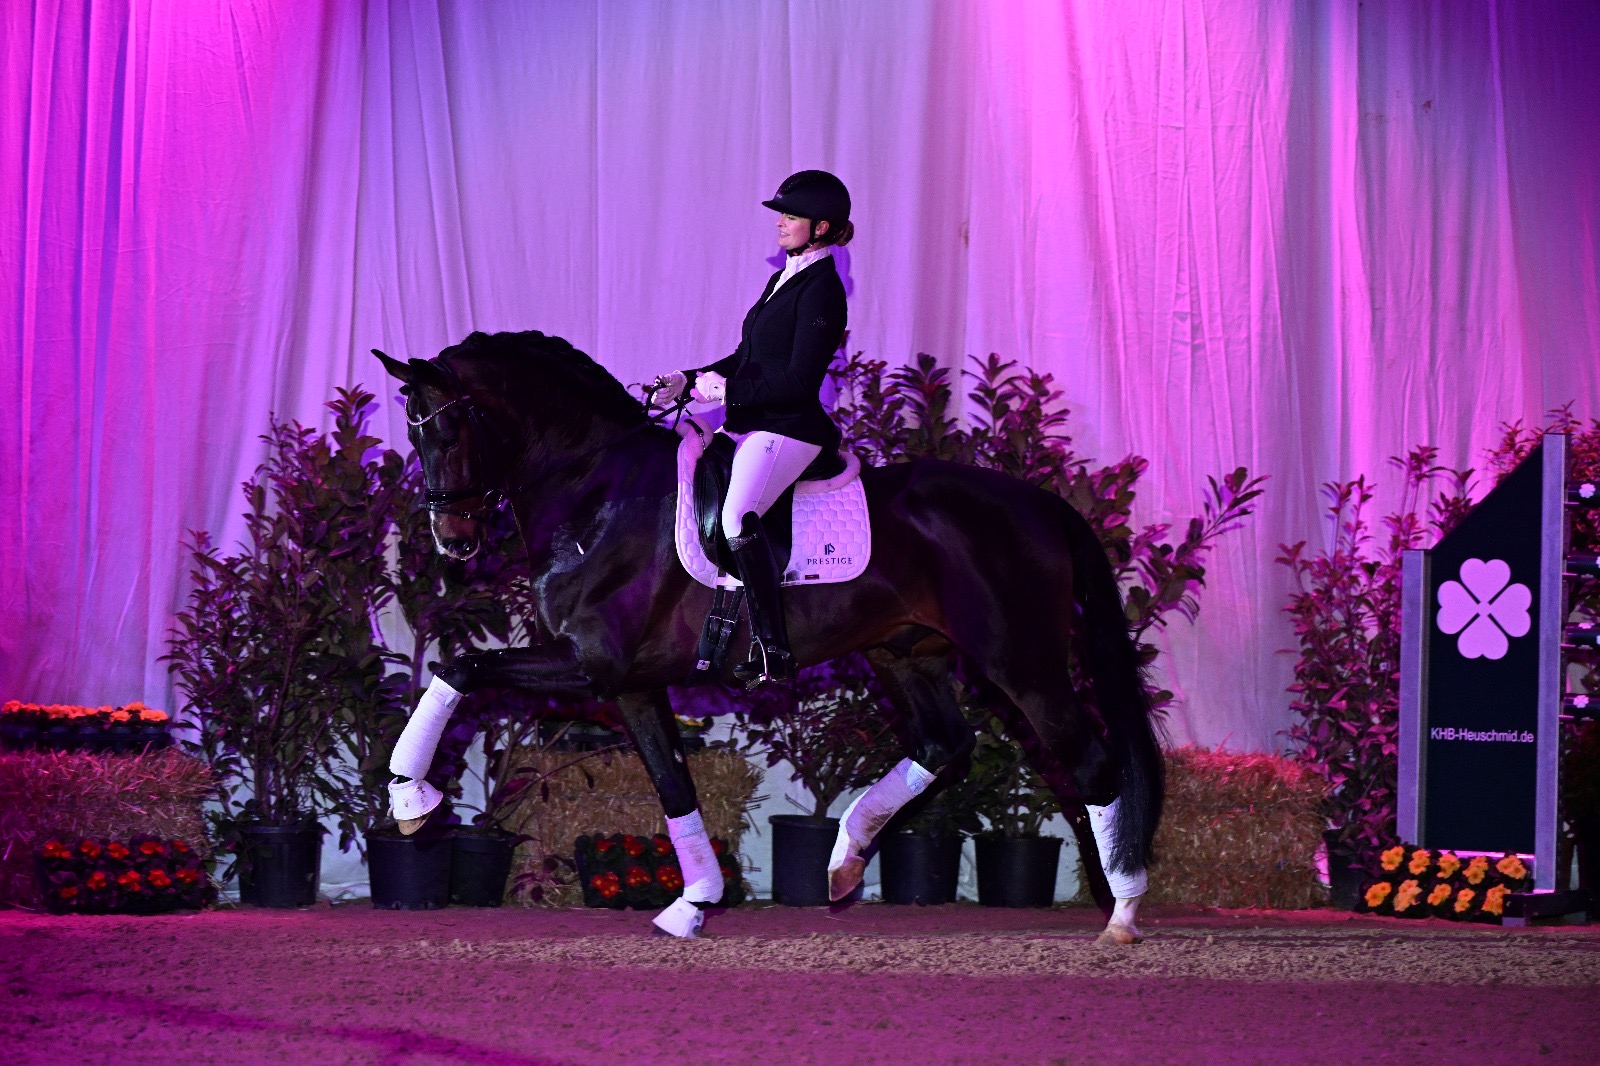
{"points": [[583, 504]]}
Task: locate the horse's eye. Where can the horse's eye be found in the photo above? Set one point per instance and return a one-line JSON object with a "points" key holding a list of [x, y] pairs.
{"points": [[448, 442]]}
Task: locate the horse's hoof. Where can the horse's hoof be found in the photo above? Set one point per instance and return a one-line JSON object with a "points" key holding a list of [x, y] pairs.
{"points": [[411, 802], [681, 919], [1120, 935], [846, 878]]}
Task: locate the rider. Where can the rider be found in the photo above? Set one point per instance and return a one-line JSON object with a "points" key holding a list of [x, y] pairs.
{"points": [[770, 385]]}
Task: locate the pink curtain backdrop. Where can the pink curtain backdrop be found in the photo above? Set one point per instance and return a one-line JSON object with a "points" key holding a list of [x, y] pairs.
{"points": [[1299, 237]]}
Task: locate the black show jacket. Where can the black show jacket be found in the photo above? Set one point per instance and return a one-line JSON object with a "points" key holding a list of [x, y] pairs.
{"points": [[775, 376]]}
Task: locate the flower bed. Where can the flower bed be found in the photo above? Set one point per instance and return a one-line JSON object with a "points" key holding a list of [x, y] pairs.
{"points": [[611, 795], [145, 875], [626, 870], [67, 727], [1419, 883], [69, 798], [1239, 830]]}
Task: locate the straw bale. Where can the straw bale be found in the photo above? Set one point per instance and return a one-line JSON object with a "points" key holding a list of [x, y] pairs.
{"points": [[1239, 830], [622, 801], [70, 795]]}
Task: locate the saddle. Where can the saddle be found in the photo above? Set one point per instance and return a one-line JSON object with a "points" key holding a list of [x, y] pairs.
{"points": [[819, 526]]}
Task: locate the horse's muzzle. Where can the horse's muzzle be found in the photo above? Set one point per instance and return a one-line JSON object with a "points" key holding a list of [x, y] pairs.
{"points": [[458, 547]]}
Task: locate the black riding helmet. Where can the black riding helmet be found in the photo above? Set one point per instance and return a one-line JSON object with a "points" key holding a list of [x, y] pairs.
{"points": [[813, 194]]}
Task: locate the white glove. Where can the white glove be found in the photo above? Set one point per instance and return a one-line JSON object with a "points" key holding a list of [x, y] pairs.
{"points": [[666, 389], [710, 387]]}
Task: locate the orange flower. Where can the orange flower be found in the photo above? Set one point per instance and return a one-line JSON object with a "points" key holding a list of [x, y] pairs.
{"points": [[1421, 859], [1494, 900], [1464, 900], [1403, 899], [97, 880], [152, 847], [117, 850], [130, 879], [1391, 858], [159, 879], [1512, 867], [1440, 893], [1378, 893], [1448, 865], [67, 891], [90, 848], [186, 875], [1476, 870], [54, 849]]}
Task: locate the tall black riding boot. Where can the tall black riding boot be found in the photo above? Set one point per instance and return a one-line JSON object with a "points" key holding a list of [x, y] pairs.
{"points": [[770, 658]]}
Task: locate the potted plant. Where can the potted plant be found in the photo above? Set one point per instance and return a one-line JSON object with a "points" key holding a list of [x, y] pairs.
{"points": [[833, 732], [1016, 862], [275, 647], [448, 606]]}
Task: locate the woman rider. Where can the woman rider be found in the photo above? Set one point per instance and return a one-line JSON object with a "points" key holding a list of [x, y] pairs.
{"points": [[771, 385]]}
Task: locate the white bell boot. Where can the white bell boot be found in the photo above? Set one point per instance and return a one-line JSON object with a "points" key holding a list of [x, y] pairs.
{"points": [[410, 802], [681, 919]]}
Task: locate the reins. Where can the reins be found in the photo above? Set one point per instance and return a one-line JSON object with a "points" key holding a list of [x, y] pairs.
{"points": [[442, 501]]}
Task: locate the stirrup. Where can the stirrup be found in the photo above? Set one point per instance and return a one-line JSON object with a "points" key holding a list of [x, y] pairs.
{"points": [[776, 665], [410, 802]]}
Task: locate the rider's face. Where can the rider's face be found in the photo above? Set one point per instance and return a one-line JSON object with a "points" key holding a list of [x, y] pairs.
{"points": [[794, 232]]}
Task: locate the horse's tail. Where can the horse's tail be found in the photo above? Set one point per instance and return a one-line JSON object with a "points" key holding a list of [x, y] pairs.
{"points": [[1112, 663]]}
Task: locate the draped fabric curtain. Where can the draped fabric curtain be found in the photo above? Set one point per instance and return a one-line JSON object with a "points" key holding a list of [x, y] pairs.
{"points": [[1298, 237]]}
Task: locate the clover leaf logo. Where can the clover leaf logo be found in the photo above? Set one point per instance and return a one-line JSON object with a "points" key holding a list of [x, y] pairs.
{"points": [[1486, 608]]}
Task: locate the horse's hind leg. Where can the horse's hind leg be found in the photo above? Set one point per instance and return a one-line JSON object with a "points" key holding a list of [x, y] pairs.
{"points": [[649, 721], [1082, 769], [933, 733]]}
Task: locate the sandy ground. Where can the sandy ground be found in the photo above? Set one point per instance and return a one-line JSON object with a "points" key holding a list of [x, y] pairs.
{"points": [[960, 983]]}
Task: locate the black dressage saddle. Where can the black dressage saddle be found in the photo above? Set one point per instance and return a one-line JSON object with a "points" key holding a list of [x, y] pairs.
{"points": [[711, 476]]}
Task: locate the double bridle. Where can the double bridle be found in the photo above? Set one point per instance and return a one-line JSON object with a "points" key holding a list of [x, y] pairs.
{"points": [[444, 501]]}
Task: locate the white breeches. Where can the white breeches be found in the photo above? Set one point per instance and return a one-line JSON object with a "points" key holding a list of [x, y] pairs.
{"points": [[764, 464], [1124, 885]]}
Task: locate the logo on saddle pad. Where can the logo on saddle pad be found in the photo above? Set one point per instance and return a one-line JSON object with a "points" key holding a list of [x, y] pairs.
{"points": [[832, 539]]}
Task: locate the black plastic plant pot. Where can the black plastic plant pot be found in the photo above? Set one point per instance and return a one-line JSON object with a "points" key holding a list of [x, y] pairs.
{"points": [[279, 865], [409, 873], [1345, 877], [1017, 871], [480, 863], [801, 845], [920, 867]]}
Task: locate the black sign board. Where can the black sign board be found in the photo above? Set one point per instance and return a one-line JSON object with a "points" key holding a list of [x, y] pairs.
{"points": [[1481, 636]]}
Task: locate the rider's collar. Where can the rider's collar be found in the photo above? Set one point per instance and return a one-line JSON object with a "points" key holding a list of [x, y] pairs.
{"points": [[796, 263]]}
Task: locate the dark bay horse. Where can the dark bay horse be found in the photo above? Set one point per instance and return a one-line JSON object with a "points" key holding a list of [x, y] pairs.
{"points": [[968, 566]]}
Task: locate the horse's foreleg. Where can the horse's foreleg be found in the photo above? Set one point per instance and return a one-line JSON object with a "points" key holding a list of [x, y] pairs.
{"points": [[935, 735], [648, 718], [411, 797]]}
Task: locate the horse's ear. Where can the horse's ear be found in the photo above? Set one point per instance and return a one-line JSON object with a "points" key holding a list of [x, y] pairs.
{"points": [[423, 372], [395, 367]]}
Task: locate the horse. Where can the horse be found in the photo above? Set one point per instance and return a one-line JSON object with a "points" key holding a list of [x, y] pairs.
{"points": [[972, 571]]}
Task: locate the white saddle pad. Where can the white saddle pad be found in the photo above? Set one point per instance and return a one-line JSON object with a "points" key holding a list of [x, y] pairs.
{"points": [[832, 534]]}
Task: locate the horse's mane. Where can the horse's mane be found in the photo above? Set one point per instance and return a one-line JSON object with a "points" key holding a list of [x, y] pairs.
{"points": [[606, 395]]}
